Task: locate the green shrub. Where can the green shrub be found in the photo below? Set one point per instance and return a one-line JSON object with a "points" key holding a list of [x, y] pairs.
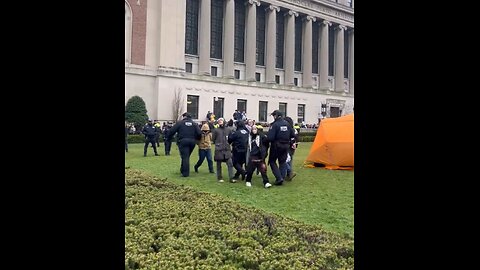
{"points": [[175, 227], [306, 138], [139, 138], [136, 112]]}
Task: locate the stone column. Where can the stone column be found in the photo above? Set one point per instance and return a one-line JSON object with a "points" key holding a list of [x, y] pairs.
{"points": [[204, 38], [251, 40], [350, 62], [271, 43], [323, 56], [307, 51], [290, 47], [229, 34], [339, 59]]}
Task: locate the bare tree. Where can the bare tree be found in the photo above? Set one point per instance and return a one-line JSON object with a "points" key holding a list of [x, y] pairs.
{"points": [[178, 104]]}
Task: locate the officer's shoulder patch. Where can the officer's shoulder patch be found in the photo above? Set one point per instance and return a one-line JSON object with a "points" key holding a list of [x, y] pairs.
{"points": [[188, 124], [243, 131], [283, 128]]}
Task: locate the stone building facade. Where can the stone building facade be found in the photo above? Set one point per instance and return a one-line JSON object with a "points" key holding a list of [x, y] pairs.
{"points": [[252, 55]]}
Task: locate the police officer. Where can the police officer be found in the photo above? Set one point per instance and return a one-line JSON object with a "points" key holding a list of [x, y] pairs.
{"points": [[280, 136], [166, 141], [188, 134], [159, 130], [239, 141], [150, 132]]}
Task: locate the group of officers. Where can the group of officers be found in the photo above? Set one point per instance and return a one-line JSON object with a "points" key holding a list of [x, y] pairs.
{"points": [[250, 146]]}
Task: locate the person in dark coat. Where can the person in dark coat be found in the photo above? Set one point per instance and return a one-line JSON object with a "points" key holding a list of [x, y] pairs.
{"points": [[239, 141], [150, 131], [167, 142], [159, 131], [280, 136], [223, 152], [256, 154], [188, 134]]}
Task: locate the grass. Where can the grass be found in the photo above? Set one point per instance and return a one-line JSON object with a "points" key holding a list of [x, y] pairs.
{"points": [[315, 196]]}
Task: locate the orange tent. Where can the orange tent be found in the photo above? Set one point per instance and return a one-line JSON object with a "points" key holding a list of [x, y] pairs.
{"points": [[333, 145]]}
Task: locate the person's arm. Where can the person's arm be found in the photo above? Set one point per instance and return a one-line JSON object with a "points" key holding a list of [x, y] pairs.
{"points": [[214, 135], [198, 132], [173, 130], [271, 133], [232, 137]]}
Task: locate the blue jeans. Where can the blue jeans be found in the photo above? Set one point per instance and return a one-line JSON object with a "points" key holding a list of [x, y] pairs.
{"points": [[202, 154], [287, 169]]}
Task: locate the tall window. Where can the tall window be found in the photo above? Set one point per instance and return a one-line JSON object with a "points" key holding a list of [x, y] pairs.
{"points": [[240, 10], [260, 35], [298, 43], [283, 108], [192, 106], [280, 38], [301, 113], [349, 3], [262, 111], [191, 27], [242, 105], [216, 29], [345, 51], [315, 35], [331, 46], [218, 107]]}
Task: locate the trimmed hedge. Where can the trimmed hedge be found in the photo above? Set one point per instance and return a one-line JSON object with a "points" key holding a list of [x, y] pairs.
{"points": [[307, 136], [175, 227], [140, 138]]}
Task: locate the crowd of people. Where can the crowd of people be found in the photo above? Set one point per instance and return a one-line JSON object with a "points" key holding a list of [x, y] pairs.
{"points": [[240, 143]]}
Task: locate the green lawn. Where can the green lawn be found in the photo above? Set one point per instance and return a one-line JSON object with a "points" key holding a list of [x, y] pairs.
{"points": [[315, 196]]}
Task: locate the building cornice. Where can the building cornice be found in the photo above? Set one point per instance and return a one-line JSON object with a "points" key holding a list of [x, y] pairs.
{"points": [[322, 9]]}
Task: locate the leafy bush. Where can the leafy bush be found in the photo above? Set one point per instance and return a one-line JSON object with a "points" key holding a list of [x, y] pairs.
{"points": [[136, 112], [175, 227], [307, 136]]}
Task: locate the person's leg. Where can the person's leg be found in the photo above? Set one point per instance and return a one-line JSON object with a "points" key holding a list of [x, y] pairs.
{"points": [[262, 168], [243, 164], [272, 158], [208, 154], [236, 160], [201, 157], [184, 154], [290, 173], [168, 146], [154, 146], [282, 161], [250, 168], [230, 169], [145, 147], [219, 170]]}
